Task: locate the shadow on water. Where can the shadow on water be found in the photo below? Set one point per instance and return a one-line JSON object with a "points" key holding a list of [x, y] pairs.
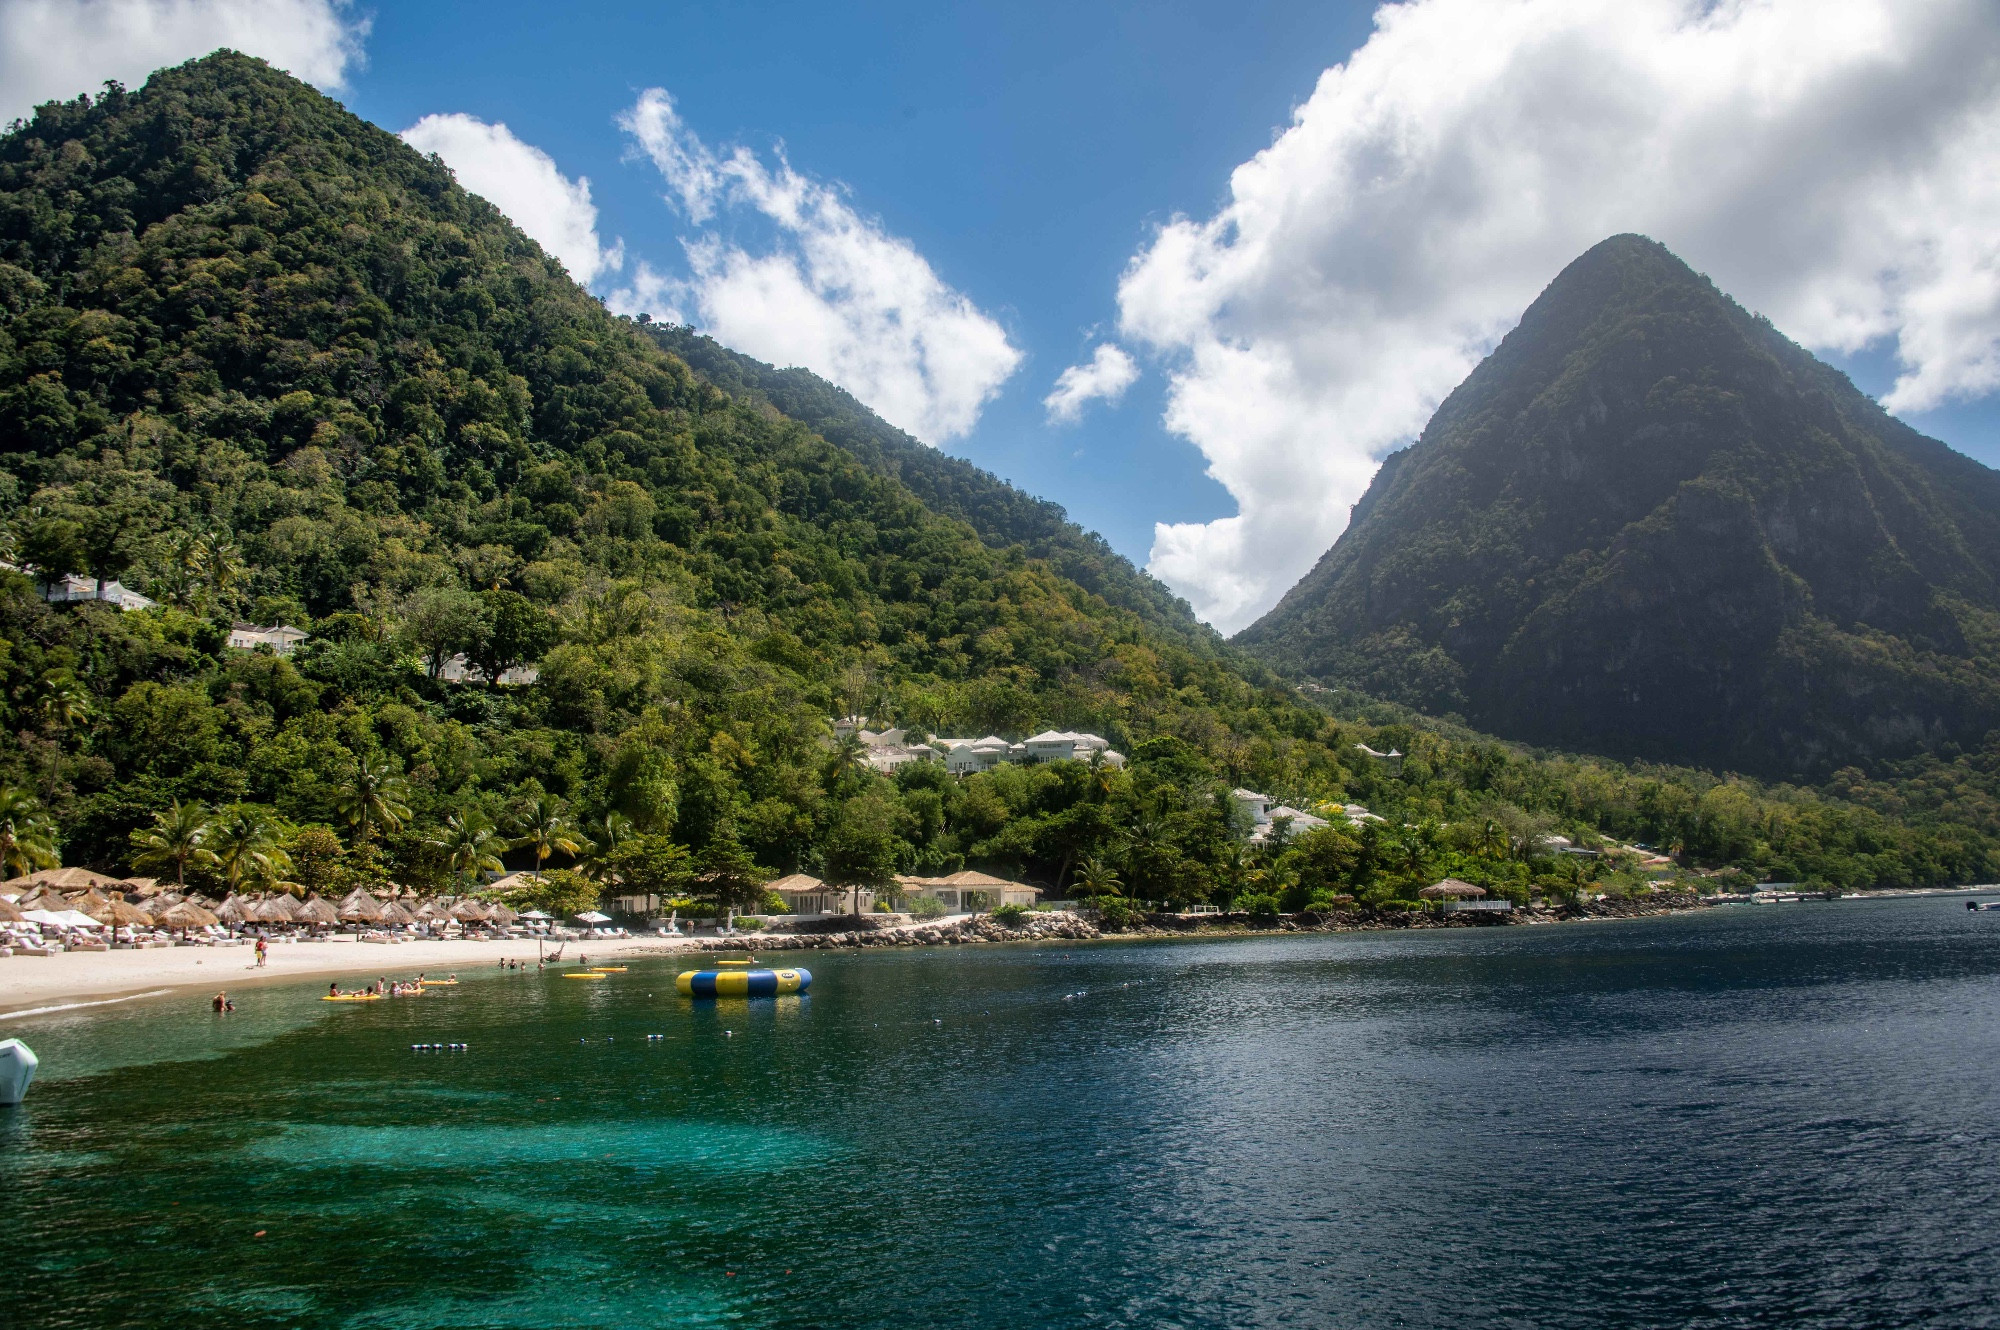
{"points": [[1743, 1117]]}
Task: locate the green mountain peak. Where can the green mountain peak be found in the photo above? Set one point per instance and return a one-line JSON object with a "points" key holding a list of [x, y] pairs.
{"points": [[1649, 525]]}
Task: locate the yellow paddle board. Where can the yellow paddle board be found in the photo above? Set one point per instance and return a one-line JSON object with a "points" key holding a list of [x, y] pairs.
{"points": [[587, 974]]}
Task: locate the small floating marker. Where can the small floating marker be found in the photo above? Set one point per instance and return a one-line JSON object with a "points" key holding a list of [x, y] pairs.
{"points": [[729, 1034]]}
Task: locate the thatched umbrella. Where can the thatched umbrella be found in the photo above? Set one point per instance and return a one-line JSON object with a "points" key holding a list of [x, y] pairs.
{"points": [[184, 916], [394, 913], [280, 907], [432, 909], [90, 901], [117, 912], [142, 886], [70, 879], [234, 910], [1451, 889], [500, 914], [10, 913], [43, 898], [470, 911], [360, 908], [317, 912]]}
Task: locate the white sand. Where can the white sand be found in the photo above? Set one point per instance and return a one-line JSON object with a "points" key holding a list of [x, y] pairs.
{"points": [[37, 981]]}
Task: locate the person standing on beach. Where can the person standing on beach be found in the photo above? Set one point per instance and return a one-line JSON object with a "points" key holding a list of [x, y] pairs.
{"points": [[263, 951]]}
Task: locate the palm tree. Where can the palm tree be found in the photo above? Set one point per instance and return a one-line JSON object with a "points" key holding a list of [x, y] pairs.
{"points": [[1098, 879], [373, 796], [27, 837], [545, 830], [175, 838], [65, 705], [606, 835], [248, 843], [218, 561], [1491, 839], [471, 844]]}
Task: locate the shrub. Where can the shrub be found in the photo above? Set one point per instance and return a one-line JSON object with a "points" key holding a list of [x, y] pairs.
{"points": [[1011, 915], [1261, 905], [1116, 911], [927, 907]]}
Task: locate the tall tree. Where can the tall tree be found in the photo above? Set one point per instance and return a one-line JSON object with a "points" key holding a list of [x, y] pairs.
{"points": [[27, 836], [470, 843], [543, 825], [372, 796], [248, 842], [175, 840]]}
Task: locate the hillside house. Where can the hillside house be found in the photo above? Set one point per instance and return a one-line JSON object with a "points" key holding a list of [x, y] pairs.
{"points": [[73, 587], [1392, 760], [1264, 813], [280, 637], [963, 756]]}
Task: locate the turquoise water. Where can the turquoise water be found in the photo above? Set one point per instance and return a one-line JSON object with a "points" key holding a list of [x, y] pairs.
{"points": [[1752, 1116]]}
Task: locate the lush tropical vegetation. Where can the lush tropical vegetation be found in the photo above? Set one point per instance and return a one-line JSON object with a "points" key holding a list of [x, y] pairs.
{"points": [[262, 361]]}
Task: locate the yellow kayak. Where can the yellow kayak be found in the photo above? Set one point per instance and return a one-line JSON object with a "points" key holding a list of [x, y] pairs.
{"points": [[587, 974], [354, 997], [437, 983]]}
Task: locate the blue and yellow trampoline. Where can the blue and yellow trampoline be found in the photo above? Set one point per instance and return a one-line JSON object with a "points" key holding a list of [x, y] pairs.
{"points": [[741, 983]]}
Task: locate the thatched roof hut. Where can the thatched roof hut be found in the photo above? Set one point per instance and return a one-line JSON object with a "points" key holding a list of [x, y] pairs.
{"points": [[1451, 889], [358, 907], [184, 916], [316, 911], [394, 913], [235, 910], [71, 879], [280, 907], [125, 913], [470, 911]]}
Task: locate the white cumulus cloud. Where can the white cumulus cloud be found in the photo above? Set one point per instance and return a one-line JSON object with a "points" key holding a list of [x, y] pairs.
{"points": [[54, 49], [524, 182], [1829, 164], [1107, 374], [830, 290]]}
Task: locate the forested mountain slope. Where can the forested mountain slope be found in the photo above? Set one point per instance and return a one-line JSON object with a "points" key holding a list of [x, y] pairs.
{"points": [[1000, 513], [261, 360], [1648, 525]]}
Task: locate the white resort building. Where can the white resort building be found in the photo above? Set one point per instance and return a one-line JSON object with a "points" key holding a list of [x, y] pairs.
{"points": [[885, 750], [73, 587], [280, 637]]}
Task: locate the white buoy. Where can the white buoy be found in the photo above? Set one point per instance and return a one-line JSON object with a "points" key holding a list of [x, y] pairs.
{"points": [[17, 1070]]}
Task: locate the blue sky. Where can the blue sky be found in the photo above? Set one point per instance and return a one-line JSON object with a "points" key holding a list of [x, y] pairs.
{"points": [[1024, 149], [1294, 227]]}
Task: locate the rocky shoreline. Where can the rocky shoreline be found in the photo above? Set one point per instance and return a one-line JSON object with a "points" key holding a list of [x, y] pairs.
{"points": [[1064, 926]]}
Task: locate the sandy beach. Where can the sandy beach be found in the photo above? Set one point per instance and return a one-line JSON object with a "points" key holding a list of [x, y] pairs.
{"points": [[34, 982]]}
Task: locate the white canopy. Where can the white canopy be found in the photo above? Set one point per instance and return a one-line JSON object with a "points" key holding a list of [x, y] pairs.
{"points": [[61, 918], [593, 917], [531, 914]]}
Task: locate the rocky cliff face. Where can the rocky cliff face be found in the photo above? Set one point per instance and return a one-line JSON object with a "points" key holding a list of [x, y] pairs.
{"points": [[1651, 526]]}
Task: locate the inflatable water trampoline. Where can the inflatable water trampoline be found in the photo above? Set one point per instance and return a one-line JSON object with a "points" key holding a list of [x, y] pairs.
{"points": [[744, 982]]}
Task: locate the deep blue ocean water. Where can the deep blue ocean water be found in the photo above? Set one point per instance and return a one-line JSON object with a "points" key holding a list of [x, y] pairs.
{"points": [[1753, 1116]]}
